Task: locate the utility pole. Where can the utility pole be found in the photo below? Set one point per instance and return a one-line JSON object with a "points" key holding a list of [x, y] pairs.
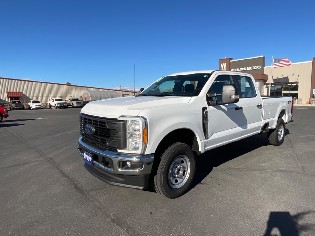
{"points": [[134, 79]]}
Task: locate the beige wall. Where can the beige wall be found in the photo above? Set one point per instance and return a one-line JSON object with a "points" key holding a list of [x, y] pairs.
{"points": [[42, 91], [297, 72]]}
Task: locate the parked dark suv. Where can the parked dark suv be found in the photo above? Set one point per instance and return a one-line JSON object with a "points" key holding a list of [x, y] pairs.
{"points": [[16, 104]]}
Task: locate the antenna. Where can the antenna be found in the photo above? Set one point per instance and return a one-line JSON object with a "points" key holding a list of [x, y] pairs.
{"points": [[134, 79]]}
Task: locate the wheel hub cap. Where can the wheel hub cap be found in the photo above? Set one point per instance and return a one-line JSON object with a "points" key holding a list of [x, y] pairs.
{"points": [[280, 132], [179, 171]]}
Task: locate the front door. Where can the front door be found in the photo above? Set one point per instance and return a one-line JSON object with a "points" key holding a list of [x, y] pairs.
{"points": [[226, 122]]}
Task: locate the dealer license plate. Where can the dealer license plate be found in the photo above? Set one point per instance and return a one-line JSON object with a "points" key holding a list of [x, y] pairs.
{"points": [[88, 158]]}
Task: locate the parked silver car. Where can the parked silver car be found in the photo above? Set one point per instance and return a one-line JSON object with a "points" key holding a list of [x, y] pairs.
{"points": [[74, 102], [16, 104]]}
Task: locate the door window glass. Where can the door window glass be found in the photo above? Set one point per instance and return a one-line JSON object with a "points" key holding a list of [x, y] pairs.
{"points": [[245, 86], [217, 86]]}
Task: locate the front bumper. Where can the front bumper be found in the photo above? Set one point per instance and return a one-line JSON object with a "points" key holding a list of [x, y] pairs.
{"points": [[17, 107], [37, 107], [111, 172], [77, 105], [64, 105]]}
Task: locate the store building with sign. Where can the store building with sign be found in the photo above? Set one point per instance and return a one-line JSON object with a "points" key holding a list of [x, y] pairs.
{"points": [[253, 65], [296, 80]]}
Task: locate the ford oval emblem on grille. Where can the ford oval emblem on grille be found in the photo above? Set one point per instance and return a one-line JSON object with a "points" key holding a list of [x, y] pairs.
{"points": [[89, 129]]}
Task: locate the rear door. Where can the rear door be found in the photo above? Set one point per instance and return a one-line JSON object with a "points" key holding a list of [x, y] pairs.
{"points": [[250, 103]]}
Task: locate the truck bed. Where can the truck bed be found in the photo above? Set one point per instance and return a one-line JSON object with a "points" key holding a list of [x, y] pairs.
{"points": [[273, 106]]}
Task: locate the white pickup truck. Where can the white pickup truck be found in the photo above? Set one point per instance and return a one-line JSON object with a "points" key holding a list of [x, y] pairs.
{"points": [[57, 103], [155, 137]]}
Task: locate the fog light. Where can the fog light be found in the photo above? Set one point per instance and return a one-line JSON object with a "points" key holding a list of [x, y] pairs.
{"points": [[129, 165]]}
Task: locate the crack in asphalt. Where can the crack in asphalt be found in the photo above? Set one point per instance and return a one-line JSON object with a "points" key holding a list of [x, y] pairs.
{"points": [[266, 170], [20, 164], [295, 155], [304, 125], [118, 221]]}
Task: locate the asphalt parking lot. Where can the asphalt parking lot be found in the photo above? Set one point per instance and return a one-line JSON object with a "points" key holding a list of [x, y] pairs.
{"points": [[245, 188]]}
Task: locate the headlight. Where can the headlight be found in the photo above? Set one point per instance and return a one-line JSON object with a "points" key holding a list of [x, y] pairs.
{"points": [[136, 134]]}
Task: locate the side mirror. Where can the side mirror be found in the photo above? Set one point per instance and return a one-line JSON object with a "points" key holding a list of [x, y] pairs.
{"points": [[229, 94], [141, 89]]}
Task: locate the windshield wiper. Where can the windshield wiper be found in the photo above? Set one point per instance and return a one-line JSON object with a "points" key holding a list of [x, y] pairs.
{"points": [[142, 95], [164, 94]]}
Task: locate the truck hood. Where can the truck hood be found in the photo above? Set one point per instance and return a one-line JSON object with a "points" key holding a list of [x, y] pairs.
{"points": [[129, 106]]}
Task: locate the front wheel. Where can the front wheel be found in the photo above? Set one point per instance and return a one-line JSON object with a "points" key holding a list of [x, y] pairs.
{"points": [[276, 136], [176, 171]]}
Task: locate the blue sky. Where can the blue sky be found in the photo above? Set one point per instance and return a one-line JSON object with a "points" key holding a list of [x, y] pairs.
{"points": [[97, 42]]}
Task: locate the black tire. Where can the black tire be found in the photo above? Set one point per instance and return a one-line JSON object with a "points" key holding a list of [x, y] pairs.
{"points": [[1, 118], [178, 158], [276, 136]]}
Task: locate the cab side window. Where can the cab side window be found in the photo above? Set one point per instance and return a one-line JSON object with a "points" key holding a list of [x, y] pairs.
{"points": [[245, 86], [217, 86]]}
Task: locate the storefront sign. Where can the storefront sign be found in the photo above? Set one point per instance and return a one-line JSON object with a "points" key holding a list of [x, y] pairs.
{"points": [[254, 65], [247, 68]]}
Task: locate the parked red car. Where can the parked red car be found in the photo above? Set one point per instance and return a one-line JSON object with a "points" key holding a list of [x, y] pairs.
{"points": [[3, 113]]}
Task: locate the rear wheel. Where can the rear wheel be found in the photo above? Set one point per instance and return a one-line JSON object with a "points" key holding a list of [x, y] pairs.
{"points": [[176, 171], [276, 136]]}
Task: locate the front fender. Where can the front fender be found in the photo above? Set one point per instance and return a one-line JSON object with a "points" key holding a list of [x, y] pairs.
{"points": [[157, 135]]}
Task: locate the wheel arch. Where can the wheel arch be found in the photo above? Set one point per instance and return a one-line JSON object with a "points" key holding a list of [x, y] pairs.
{"points": [[183, 135], [282, 115]]}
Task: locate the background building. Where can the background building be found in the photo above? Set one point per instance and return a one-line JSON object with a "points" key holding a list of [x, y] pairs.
{"points": [[26, 90], [296, 80], [253, 65]]}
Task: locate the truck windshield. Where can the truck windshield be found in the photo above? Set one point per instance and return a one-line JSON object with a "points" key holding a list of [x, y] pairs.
{"points": [[178, 85]]}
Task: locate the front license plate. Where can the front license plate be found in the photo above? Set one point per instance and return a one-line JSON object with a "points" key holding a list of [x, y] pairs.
{"points": [[88, 158]]}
